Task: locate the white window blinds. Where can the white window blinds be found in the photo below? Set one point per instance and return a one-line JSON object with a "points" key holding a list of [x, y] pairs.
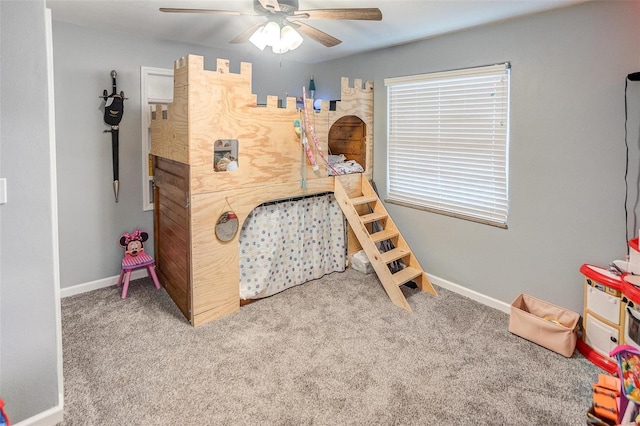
{"points": [[448, 142]]}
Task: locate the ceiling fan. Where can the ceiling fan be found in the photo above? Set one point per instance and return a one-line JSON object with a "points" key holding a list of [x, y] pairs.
{"points": [[286, 14]]}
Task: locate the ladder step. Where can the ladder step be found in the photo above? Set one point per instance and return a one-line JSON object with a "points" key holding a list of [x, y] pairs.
{"points": [[385, 234], [406, 275], [363, 200], [368, 236], [394, 254], [372, 217]]}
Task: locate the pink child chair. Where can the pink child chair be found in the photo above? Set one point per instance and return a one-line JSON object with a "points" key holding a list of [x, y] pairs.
{"points": [[135, 258]]}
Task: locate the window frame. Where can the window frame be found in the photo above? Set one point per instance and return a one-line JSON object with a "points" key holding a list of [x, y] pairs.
{"points": [[156, 88], [465, 160]]}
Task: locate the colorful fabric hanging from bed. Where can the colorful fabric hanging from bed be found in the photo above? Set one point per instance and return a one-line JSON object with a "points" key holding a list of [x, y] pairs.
{"points": [[288, 243]]}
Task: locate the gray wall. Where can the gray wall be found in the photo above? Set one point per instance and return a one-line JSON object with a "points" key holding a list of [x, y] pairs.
{"points": [[567, 153], [29, 358], [90, 220]]}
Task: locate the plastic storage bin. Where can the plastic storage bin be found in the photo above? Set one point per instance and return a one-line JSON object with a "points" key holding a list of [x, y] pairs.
{"points": [[543, 323]]}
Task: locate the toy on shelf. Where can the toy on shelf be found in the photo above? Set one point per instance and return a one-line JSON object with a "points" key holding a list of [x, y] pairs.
{"points": [[632, 262], [135, 258]]}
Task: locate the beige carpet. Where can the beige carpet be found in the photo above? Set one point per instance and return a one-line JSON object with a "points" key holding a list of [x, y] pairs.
{"points": [[334, 351]]}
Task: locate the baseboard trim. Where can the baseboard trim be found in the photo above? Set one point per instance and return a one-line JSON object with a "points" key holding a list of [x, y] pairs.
{"points": [[50, 417], [441, 282], [471, 294], [97, 284]]}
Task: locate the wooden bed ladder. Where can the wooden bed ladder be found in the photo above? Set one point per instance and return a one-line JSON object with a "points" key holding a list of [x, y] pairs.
{"points": [[362, 212]]}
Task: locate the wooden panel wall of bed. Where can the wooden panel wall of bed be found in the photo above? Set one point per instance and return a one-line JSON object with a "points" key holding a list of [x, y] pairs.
{"points": [[199, 271]]}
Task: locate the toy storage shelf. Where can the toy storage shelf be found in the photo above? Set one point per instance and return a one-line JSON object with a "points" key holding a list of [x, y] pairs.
{"points": [[602, 320]]}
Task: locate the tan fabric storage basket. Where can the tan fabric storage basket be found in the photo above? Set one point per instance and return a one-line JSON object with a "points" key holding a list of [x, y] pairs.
{"points": [[543, 323]]}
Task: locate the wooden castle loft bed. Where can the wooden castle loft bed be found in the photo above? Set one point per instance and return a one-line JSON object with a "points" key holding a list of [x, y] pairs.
{"points": [[214, 121]]}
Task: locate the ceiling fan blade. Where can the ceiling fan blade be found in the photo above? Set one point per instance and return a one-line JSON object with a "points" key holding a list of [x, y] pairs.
{"points": [[245, 35], [209, 11], [360, 14], [315, 34]]}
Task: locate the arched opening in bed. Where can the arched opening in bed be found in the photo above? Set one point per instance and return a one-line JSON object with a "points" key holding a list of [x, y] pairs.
{"points": [[347, 144]]}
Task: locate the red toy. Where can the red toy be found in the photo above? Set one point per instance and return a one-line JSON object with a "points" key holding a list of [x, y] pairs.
{"points": [[4, 419]]}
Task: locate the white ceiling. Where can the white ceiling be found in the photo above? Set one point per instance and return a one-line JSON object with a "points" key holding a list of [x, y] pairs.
{"points": [[402, 21]]}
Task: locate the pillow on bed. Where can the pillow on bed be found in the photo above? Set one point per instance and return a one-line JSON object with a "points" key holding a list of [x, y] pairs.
{"points": [[345, 168], [336, 158]]}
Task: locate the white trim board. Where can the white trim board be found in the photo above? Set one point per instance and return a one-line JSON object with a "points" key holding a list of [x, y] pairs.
{"points": [[52, 416], [97, 284], [441, 282], [471, 294]]}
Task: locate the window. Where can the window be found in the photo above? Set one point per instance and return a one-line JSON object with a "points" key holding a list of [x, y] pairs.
{"points": [[448, 136], [156, 87]]}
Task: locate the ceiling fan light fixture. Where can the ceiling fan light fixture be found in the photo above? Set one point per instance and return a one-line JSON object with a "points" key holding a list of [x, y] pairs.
{"points": [[258, 39], [280, 40], [271, 33], [279, 48], [290, 37]]}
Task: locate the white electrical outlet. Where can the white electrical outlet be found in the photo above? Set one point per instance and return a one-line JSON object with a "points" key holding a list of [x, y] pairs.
{"points": [[3, 191]]}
